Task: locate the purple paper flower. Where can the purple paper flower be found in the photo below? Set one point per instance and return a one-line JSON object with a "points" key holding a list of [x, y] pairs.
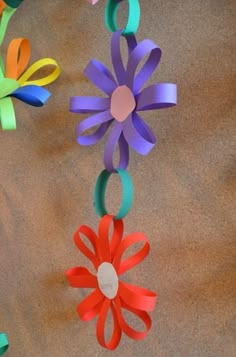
{"points": [[125, 98]]}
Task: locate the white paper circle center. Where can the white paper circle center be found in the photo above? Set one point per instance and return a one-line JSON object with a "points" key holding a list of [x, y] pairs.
{"points": [[107, 280]]}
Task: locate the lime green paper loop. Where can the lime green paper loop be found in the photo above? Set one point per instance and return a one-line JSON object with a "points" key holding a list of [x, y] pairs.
{"points": [[7, 86], [133, 17], [7, 14], [3, 343], [2, 68], [127, 193], [7, 114]]}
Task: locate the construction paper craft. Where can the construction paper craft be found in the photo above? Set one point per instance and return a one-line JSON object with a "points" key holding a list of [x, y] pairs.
{"points": [[110, 292], [3, 343], [93, 2], [100, 191], [6, 12], [125, 98], [13, 3], [15, 81], [111, 15], [2, 6], [133, 16]]}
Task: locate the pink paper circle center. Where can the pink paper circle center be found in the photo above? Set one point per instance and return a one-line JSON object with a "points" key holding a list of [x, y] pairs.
{"points": [[122, 103]]}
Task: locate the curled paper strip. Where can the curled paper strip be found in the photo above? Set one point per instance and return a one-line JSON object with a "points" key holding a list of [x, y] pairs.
{"points": [[111, 293], [112, 6], [13, 3], [2, 6], [3, 343], [125, 98], [15, 81], [133, 16], [6, 13], [127, 194]]}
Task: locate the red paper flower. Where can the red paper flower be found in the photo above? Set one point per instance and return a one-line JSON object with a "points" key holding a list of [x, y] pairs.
{"points": [[110, 292]]}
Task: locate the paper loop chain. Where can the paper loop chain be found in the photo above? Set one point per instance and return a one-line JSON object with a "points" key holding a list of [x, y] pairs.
{"points": [[133, 16], [127, 193], [3, 343]]}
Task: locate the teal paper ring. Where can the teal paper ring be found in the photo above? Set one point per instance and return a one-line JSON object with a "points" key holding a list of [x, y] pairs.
{"points": [[133, 16], [127, 193], [3, 343]]}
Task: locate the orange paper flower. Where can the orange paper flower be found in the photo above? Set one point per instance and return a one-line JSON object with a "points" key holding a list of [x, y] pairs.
{"points": [[111, 292]]}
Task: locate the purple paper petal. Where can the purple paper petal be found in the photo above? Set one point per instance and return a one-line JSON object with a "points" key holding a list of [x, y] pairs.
{"points": [[89, 104], [124, 152], [157, 96], [89, 123], [116, 137], [98, 74], [136, 56], [138, 134], [92, 138], [116, 56]]}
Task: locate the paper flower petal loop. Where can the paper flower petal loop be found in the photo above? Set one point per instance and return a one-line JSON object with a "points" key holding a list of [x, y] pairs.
{"points": [[134, 299], [3, 343], [127, 126], [17, 83]]}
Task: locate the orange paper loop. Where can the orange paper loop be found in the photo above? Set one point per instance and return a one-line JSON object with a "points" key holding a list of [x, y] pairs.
{"points": [[18, 57], [2, 6]]}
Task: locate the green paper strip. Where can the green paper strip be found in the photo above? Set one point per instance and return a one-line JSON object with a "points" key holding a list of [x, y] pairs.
{"points": [[13, 3], [127, 193], [133, 17], [3, 343], [7, 86], [2, 68], [7, 114], [7, 14]]}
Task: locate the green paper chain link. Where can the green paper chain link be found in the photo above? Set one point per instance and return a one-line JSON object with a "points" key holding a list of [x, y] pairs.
{"points": [[3, 343], [133, 17], [127, 193]]}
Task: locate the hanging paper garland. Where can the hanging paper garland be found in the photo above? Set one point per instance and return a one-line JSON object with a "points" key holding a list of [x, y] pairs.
{"points": [[125, 97]]}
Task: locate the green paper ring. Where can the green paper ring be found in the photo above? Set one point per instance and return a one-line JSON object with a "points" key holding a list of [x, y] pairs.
{"points": [[127, 193], [3, 343], [13, 3], [133, 16]]}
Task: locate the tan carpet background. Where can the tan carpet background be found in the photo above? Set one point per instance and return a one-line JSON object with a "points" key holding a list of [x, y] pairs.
{"points": [[184, 190]]}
